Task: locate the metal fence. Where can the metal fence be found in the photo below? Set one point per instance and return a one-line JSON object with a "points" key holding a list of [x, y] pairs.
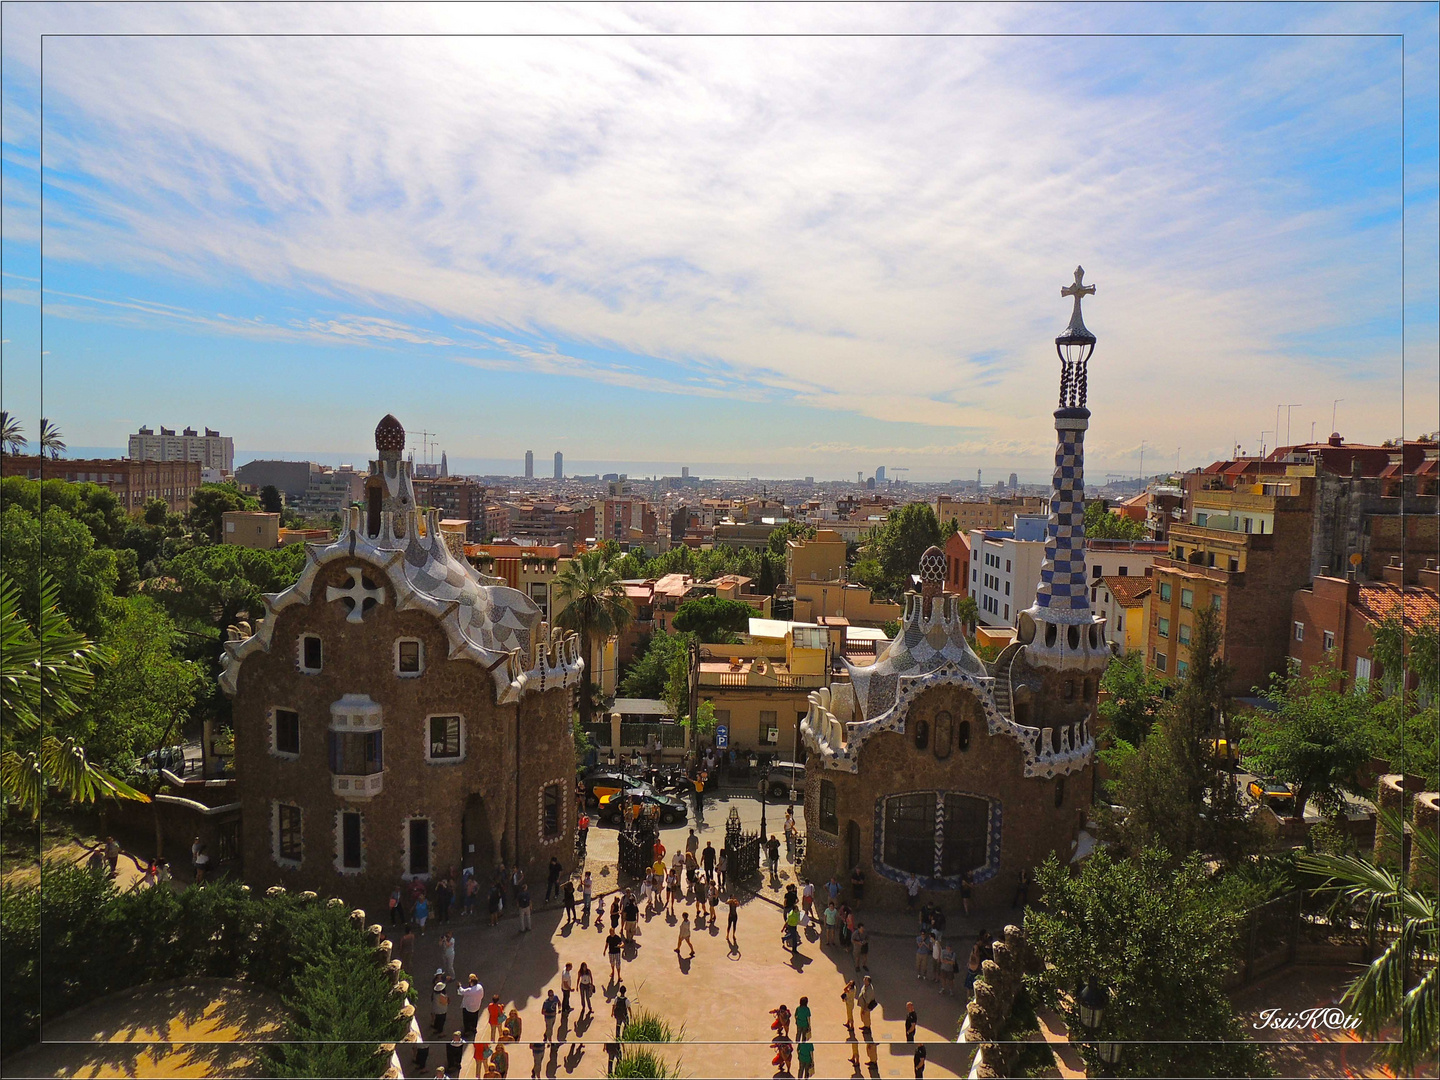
{"points": [[1268, 936]]}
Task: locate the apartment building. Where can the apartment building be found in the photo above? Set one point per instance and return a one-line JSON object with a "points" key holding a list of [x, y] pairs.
{"points": [[957, 563], [819, 558], [458, 498], [1120, 558], [1005, 568], [1243, 552], [1335, 619], [994, 513], [290, 478], [331, 491], [212, 450], [1121, 601], [250, 528], [134, 482], [761, 690]]}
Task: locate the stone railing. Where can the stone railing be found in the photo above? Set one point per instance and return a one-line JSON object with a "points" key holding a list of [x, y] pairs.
{"points": [[988, 1014]]}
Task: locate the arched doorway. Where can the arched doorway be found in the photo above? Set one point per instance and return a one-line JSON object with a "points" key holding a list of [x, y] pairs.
{"points": [[852, 844], [475, 843]]}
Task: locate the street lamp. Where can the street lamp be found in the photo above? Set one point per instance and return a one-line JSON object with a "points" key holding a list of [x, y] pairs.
{"points": [[1092, 1002]]}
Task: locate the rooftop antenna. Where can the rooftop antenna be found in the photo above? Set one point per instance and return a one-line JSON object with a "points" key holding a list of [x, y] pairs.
{"points": [[1288, 408], [1333, 406], [1263, 433]]}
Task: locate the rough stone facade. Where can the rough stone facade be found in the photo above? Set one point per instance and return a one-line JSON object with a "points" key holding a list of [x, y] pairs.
{"points": [[406, 633]]}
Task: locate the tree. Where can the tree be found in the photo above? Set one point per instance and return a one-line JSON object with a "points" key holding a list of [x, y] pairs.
{"points": [[208, 505], [1318, 739], [791, 530], [649, 675], [1132, 699], [1101, 524], [595, 605], [713, 619], [969, 612], [210, 586], [12, 434], [52, 440], [1401, 985], [59, 546], [47, 669], [1161, 939], [899, 543], [270, 500], [1405, 720], [148, 691], [1174, 791]]}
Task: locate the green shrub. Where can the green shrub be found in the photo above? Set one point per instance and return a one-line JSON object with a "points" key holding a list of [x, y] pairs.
{"points": [[647, 1027], [98, 941], [642, 1063]]}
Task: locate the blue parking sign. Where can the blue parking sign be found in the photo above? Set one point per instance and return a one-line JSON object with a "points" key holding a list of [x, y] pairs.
{"points": [[722, 737]]}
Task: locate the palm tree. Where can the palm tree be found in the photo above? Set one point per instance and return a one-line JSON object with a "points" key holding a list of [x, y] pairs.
{"points": [[595, 606], [1401, 985], [12, 435], [51, 439], [43, 678]]}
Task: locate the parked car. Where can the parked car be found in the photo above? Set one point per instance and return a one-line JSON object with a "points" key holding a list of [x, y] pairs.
{"points": [[600, 784], [1224, 754], [672, 810], [781, 777], [167, 757], [1275, 794]]}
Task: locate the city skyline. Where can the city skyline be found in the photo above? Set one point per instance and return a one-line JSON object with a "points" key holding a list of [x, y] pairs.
{"points": [[804, 256]]}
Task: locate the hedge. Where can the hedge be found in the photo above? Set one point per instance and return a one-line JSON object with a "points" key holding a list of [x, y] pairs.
{"points": [[339, 996]]}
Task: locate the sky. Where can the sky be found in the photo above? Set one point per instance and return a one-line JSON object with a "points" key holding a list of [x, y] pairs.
{"points": [[763, 239]]}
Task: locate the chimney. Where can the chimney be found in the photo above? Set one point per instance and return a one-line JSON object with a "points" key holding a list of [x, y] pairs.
{"points": [[1394, 573], [1335, 439]]}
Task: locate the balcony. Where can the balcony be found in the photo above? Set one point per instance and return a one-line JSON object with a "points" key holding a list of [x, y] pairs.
{"points": [[1210, 573], [357, 787], [782, 680]]}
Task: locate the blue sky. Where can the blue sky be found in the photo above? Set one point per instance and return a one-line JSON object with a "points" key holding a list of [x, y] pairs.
{"points": [[781, 240]]}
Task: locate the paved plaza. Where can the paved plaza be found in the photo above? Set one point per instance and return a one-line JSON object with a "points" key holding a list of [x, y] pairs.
{"points": [[722, 998]]}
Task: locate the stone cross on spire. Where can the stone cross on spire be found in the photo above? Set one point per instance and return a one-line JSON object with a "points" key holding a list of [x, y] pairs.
{"points": [[1079, 291]]}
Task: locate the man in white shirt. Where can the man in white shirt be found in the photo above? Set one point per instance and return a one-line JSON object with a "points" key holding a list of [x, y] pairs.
{"points": [[472, 1000]]}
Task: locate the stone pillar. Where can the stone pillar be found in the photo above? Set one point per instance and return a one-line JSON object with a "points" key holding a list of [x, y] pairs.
{"points": [[1426, 820], [1391, 798]]}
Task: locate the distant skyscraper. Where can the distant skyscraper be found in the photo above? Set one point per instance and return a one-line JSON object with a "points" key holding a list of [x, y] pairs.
{"points": [[978, 483], [444, 464], [880, 474], [684, 472], [1014, 482], [529, 464], [212, 450], [559, 465]]}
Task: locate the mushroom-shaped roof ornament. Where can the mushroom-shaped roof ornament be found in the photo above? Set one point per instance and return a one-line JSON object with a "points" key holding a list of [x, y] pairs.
{"points": [[932, 566], [389, 435]]}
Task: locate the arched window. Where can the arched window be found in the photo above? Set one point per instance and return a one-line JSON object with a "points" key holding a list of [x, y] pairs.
{"points": [[962, 736], [1059, 793], [922, 734]]}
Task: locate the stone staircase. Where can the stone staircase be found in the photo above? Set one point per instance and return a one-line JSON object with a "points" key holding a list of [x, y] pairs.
{"points": [[1003, 662]]}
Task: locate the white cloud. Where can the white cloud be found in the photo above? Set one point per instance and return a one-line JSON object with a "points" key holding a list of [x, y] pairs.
{"points": [[873, 225]]}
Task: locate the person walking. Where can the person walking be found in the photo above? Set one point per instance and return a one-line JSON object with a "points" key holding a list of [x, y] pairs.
{"points": [[805, 1056], [567, 986], [500, 1060], [949, 962], [849, 996], [859, 946], [537, 1049], [549, 1010], [790, 935], [807, 899], [857, 885], [495, 903], [935, 951], [472, 894], [922, 955], [832, 890], [700, 798], [802, 1019], [454, 1055], [830, 919], [422, 913], [447, 953], [613, 944], [586, 983], [630, 911], [911, 1021], [712, 900], [472, 997], [552, 879], [522, 905], [587, 891], [444, 893], [920, 1060], [112, 853], [772, 852], [620, 1010], [732, 921], [684, 938], [567, 895], [407, 944], [439, 1008], [496, 1016], [582, 834], [866, 1001], [707, 860]]}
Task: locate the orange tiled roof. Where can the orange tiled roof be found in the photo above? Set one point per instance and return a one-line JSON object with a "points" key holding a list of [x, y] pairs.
{"points": [[1127, 590], [1378, 601]]}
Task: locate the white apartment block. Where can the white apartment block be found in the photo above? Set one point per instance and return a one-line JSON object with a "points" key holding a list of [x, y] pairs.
{"points": [[212, 450], [1119, 558], [1005, 568]]}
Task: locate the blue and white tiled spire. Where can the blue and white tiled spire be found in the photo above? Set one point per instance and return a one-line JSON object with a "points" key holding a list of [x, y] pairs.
{"points": [[1060, 627]]}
